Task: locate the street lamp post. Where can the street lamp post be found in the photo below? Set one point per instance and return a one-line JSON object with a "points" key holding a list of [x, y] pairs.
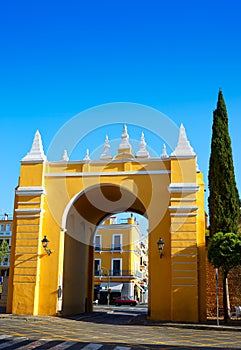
{"points": [[108, 288], [108, 284]]}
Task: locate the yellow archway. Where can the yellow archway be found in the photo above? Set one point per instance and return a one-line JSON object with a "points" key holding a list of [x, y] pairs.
{"points": [[66, 201]]}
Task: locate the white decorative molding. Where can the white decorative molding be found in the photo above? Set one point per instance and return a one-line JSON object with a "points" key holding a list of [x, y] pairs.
{"points": [[184, 285], [36, 154], [30, 191], [29, 213], [29, 210], [113, 161], [183, 263], [183, 214], [106, 154], [182, 247], [183, 149], [197, 167], [109, 173], [179, 187], [183, 199], [192, 278], [183, 208], [164, 154], [65, 157], [28, 233], [23, 253], [34, 216], [87, 157], [124, 145], [29, 203], [182, 270], [142, 153]]}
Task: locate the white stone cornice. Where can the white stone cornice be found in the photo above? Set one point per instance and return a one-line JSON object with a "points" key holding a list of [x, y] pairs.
{"points": [[179, 187], [28, 216], [30, 191], [29, 213], [183, 208], [29, 210], [183, 214], [178, 200], [113, 161], [109, 173]]}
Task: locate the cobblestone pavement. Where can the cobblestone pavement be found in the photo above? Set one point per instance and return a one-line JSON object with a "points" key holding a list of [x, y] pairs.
{"points": [[110, 331]]}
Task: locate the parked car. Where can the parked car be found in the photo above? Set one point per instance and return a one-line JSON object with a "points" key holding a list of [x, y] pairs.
{"points": [[125, 301]]}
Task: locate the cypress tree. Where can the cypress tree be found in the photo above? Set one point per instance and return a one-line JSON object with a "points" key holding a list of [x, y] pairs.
{"points": [[223, 201]]}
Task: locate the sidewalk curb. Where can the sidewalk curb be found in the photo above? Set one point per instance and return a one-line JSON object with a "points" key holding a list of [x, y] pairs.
{"points": [[135, 321], [201, 326]]}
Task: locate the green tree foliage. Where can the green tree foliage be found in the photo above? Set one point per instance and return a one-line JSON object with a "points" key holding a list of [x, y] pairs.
{"points": [[4, 251], [224, 253], [223, 201]]}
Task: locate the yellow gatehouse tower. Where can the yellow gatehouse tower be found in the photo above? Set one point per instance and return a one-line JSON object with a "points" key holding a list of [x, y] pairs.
{"points": [[59, 205]]}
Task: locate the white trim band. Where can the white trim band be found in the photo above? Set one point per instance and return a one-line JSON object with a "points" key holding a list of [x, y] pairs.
{"points": [[34, 216], [29, 210], [30, 191], [109, 173], [183, 214], [183, 208], [179, 187]]}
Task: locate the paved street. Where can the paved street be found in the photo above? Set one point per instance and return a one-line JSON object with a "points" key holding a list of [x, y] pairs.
{"points": [[110, 329]]}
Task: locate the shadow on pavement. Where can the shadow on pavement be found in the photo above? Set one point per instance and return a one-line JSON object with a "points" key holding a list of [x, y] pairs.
{"points": [[131, 318]]}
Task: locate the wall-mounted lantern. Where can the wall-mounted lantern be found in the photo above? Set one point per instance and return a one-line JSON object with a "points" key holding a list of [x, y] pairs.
{"points": [[160, 245], [45, 243]]}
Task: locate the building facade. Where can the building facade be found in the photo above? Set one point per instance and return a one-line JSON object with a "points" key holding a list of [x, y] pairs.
{"points": [[121, 261], [5, 235]]}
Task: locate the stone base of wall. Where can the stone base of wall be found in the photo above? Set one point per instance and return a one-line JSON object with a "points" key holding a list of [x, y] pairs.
{"points": [[4, 295], [234, 288]]}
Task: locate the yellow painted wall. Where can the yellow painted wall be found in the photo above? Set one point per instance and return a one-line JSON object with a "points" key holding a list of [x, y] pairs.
{"points": [[176, 281], [130, 237]]}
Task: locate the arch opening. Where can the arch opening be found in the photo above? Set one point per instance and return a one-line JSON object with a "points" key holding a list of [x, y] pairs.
{"points": [[121, 260], [90, 208]]}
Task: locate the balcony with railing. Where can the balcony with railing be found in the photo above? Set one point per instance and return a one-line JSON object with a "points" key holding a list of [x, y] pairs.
{"points": [[5, 262], [114, 273], [98, 248], [116, 248], [5, 233]]}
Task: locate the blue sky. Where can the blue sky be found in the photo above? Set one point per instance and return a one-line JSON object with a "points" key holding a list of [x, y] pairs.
{"points": [[59, 58]]}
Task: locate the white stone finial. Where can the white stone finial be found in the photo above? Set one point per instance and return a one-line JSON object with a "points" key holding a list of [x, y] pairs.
{"points": [[142, 153], [87, 157], [124, 149], [197, 167], [183, 148], [106, 154], [65, 157], [36, 153], [164, 152], [124, 145]]}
